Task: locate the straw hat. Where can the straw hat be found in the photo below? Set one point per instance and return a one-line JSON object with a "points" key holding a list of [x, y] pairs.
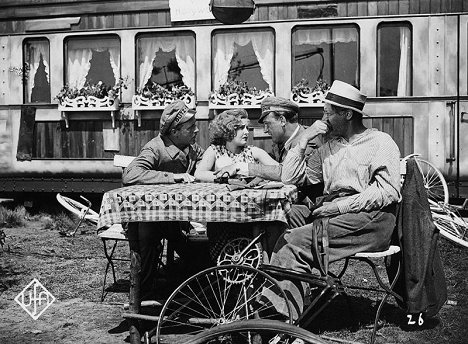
{"points": [[346, 96]]}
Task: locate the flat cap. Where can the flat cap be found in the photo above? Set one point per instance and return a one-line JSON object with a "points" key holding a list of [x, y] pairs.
{"points": [[174, 114], [271, 104]]}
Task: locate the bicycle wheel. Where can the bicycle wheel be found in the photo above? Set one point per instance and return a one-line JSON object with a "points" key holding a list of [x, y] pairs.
{"points": [[434, 181], [256, 331], [215, 296], [78, 209], [233, 253], [452, 227]]}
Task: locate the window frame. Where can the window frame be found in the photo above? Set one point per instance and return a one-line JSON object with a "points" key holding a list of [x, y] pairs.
{"points": [[328, 26], [147, 34], [377, 53], [67, 39], [25, 76], [243, 30]]}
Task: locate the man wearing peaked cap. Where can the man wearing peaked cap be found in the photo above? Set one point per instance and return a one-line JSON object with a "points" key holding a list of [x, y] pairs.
{"points": [[360, 169], [280, 105], [173, 115], [170, 157], [280, 119]]}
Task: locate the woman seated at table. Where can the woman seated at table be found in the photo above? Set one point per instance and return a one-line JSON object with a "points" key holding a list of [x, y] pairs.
{"points": [[229, 152]]}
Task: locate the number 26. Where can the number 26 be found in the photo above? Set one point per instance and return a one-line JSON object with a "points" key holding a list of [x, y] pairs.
{"points": [[413, 322]]}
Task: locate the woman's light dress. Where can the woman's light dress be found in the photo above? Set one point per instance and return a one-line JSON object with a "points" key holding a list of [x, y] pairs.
{"points": [[224, 157]]}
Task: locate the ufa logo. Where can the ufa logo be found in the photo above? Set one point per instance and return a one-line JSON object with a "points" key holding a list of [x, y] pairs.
{"points": [[35, 299]]}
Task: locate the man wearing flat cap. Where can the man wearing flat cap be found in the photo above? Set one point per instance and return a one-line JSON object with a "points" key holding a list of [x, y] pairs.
{"points": [[280, 119], [171, 157], [360, 169]]}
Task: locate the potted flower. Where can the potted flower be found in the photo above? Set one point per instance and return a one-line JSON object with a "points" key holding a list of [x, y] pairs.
{"points": [[91, 97], [304, 94], [238, 93], [154, 96]]}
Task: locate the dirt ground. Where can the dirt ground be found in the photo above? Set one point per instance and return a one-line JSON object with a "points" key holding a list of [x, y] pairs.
{"points": [[71, 269]]}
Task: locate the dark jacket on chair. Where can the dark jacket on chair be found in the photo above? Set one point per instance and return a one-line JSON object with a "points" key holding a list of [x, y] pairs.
{"points": [[422, 281]]}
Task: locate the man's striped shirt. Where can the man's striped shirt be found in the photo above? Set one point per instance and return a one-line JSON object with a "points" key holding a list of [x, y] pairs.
{"points": [[368, 167]]}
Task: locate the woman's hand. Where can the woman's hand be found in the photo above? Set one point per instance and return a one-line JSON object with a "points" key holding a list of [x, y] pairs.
{"points": [[183, 178], [231, 170]]}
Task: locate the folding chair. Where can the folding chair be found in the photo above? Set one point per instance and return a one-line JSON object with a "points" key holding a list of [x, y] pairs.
{"points": [[115, 235]]}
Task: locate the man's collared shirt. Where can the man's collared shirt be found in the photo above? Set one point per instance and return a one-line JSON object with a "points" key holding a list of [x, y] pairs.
{"points": [[158, 160], [368, 166]]}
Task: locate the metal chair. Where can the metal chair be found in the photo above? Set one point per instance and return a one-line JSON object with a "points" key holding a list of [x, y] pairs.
{"points": [[367, 257], [110, 238]]}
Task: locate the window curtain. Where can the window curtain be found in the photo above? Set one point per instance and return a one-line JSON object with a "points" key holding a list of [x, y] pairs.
{"points": [[328, 36], [263, 46], [36, 49], [80, 54], [184, 52], [404, 77]]}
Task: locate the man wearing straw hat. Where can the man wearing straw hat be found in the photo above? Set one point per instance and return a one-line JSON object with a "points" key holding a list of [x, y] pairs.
{"points": [[360, 169]]}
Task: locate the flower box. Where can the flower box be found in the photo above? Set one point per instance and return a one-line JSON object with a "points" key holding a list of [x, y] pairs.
{"points": [[90, 97], [304, 95], [141, 103], [220, 101], [154, 96], [88, 103], [308, 99]]}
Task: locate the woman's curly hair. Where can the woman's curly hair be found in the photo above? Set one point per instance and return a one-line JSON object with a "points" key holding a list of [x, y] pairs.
{"points": [[224, 127]]}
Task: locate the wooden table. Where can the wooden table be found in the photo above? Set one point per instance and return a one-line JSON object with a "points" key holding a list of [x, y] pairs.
{"points": [[202, 202]]}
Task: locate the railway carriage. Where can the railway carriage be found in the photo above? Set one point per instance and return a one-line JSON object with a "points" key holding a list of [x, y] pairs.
{"points": [[409, 57]]}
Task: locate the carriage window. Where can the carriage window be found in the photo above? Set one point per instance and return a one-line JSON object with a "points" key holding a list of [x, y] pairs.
{"points": [[326, 54], [244, 57], [167, 60], [394, 60], [91, 60], [36, 71]]}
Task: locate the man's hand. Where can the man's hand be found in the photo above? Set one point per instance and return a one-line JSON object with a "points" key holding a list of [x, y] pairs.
{"points": [[328, 209], [230, 169], [183, 178], [316, 129]]}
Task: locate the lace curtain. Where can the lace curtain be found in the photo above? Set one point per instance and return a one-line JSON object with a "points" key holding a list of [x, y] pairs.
{"points": [[263, 46], [184, 47], [328, 36], [404, 75], [35, 50], [80, 54]]}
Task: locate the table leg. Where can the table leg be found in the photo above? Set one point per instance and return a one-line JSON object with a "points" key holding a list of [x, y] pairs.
{"points": [[135, 267]]}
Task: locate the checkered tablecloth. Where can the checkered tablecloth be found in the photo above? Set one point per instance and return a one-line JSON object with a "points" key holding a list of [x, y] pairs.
{"points": [[204, 202]]}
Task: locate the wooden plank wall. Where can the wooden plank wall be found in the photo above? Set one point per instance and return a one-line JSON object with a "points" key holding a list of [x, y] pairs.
{"points": [[399, 128], [84, 139]]}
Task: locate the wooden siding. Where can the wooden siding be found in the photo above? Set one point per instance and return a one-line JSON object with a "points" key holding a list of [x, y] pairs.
{"points": [[399, 128], [116, 14], [84, 139]]}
